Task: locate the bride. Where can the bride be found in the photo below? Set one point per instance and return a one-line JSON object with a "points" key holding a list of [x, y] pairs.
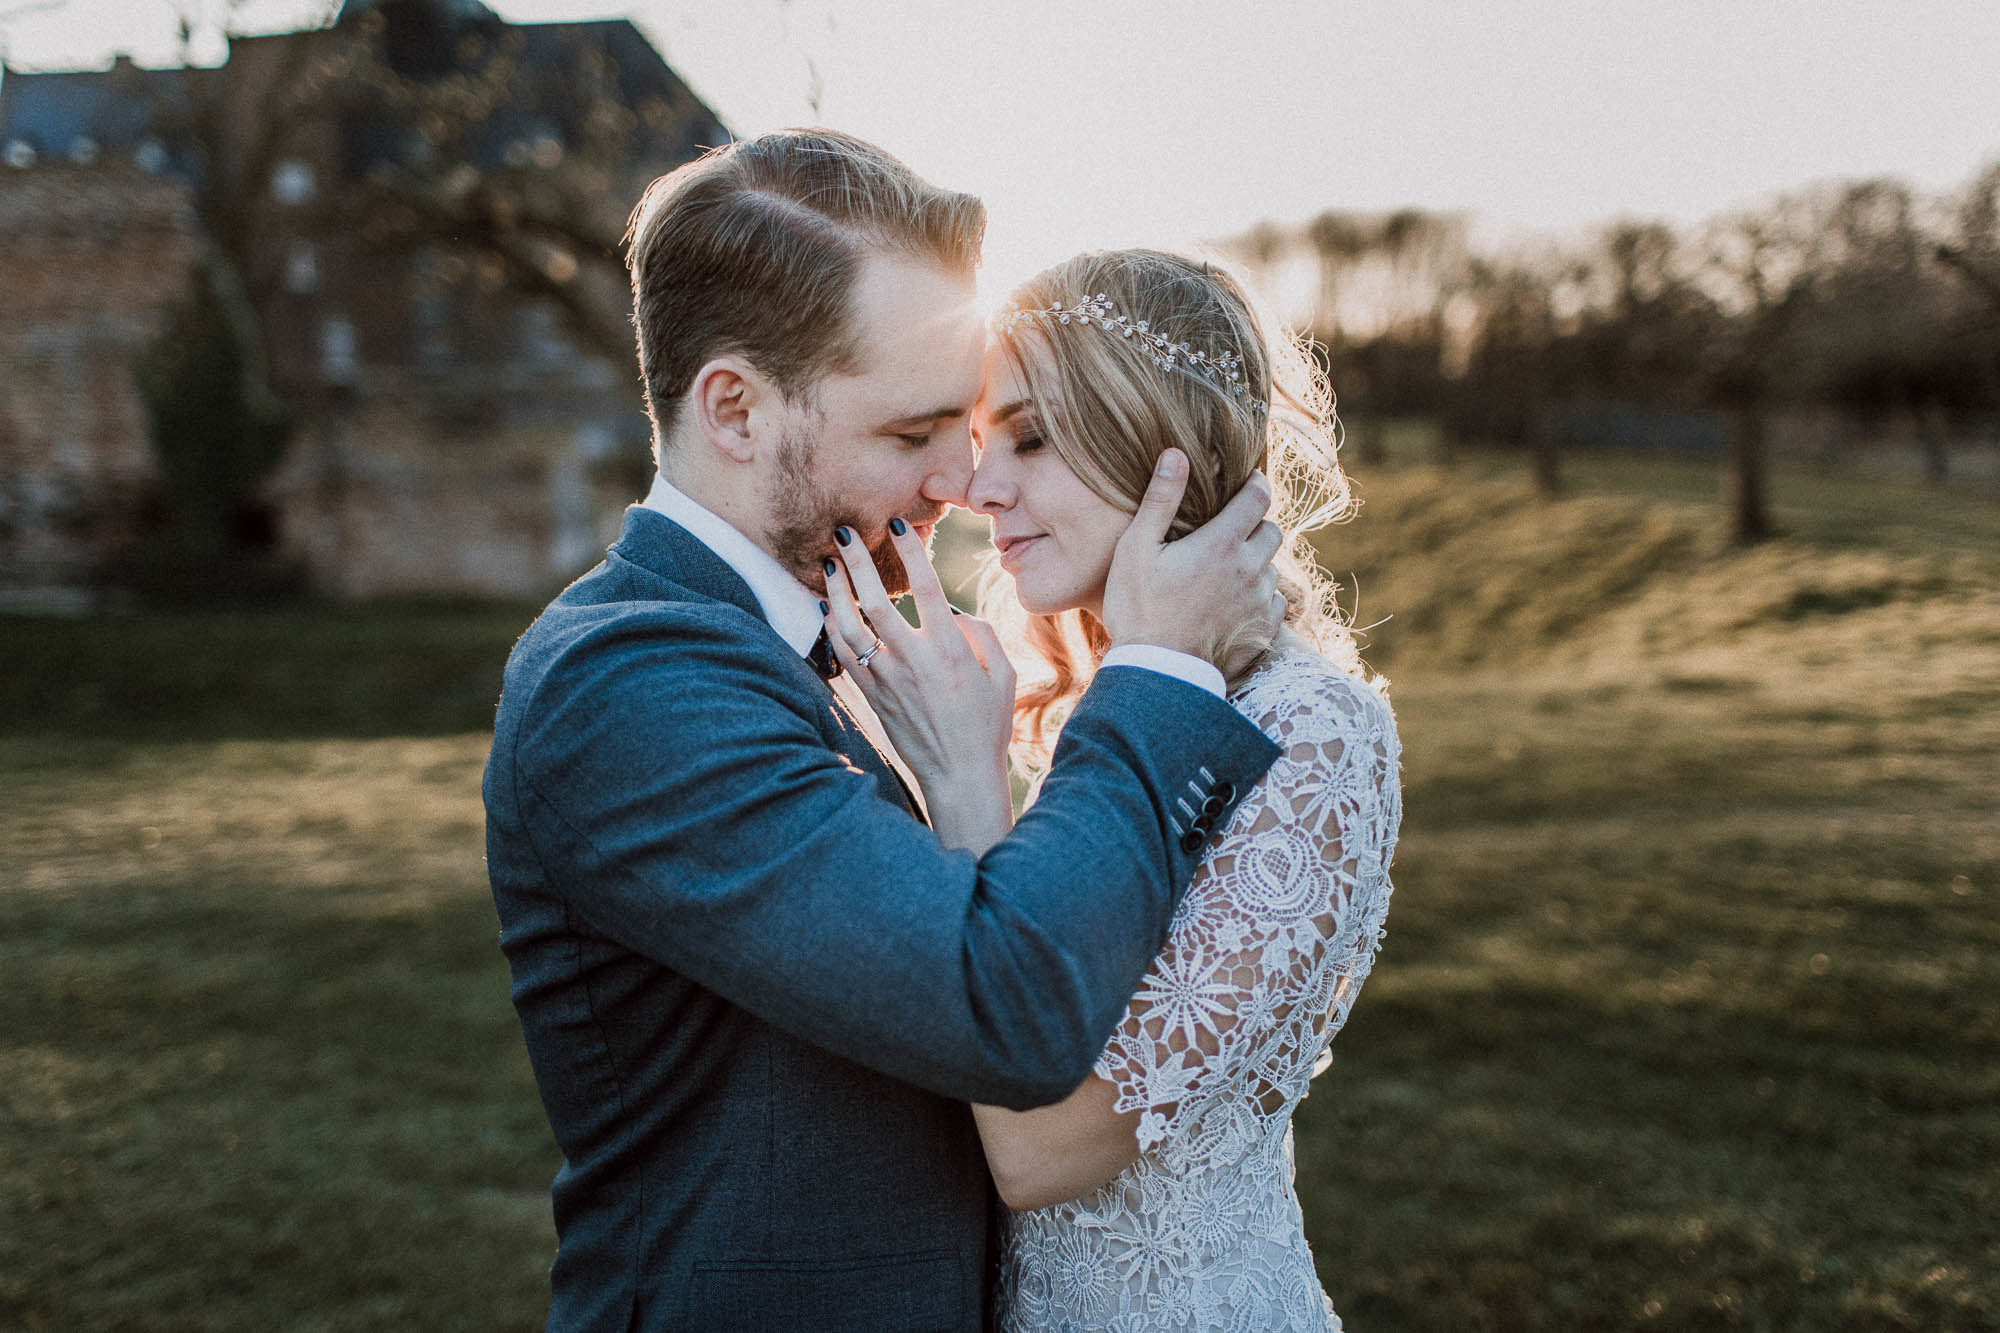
{"points": [[1160, 1193]]}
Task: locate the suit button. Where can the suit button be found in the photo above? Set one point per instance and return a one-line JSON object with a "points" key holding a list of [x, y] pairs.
{"points": [[1212, 807], [1192, 840], [1224, 792]]}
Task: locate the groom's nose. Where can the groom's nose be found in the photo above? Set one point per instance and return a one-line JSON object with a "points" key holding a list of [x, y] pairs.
{"points": [[951, 470]]}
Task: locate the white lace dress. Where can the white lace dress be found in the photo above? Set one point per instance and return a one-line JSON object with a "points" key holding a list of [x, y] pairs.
{"points": [[1267, 951]]}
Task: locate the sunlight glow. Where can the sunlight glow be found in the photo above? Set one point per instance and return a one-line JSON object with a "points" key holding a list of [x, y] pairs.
{"points": [[1082, 126]]}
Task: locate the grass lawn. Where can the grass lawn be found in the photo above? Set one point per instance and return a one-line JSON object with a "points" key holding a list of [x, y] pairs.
{"points": [[1689, 1015], [1824, 506]]}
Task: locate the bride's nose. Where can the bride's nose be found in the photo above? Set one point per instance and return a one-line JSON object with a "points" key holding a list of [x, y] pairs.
{"points": [[991, 491]]}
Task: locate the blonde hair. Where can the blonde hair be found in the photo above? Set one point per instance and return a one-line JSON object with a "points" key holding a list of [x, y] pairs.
{"points": [[1109, 410]]}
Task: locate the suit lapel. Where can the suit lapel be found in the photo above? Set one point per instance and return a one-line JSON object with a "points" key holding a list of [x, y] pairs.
{"points": [[655, 542], [861, 721]]}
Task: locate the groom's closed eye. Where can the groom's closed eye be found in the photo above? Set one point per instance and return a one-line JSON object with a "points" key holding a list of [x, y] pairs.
{"points": [[918, 431]]}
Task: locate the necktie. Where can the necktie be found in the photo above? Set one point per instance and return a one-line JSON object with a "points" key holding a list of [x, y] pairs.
{"points": [[822, 658]]}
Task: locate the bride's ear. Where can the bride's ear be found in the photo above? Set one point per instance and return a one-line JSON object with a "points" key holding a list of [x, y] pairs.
{"points": [[732, 404]]}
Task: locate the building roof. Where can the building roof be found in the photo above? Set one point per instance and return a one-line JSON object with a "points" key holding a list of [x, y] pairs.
{"points": [[80, 115], [131, 113], [466, 9]]}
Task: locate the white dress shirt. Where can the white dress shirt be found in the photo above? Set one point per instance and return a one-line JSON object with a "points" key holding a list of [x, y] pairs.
{"points": [[793, 609]]}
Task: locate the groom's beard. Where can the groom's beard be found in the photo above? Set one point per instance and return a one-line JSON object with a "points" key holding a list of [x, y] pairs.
{"points": [[805, 515]]}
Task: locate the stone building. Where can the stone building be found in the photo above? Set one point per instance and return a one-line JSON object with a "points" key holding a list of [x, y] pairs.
{"points": [[460, 433], [90, 259]]}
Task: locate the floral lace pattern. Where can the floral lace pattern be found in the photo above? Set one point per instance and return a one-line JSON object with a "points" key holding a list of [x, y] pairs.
{"points": [[1267, 952]]}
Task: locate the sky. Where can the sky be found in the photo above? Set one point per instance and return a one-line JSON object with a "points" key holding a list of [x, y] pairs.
{"points": [[1088, 122]]}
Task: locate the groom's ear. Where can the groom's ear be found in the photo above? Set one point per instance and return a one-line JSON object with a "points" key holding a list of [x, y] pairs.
{"points": [[733, 406]]}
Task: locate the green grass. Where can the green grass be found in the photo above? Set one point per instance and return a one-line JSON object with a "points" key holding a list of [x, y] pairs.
{"points": [[260, 1071], [399, 669], [1688, 1017], [1827, 507], [1685, 1020]]}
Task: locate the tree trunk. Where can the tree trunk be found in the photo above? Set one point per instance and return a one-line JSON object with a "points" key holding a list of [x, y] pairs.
{"points": [[1932, 430], [1749, 509], [1547, 457], [1445, 447]]}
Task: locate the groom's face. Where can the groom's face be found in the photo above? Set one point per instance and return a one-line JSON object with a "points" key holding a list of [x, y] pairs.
{"points": [[893, 438]]}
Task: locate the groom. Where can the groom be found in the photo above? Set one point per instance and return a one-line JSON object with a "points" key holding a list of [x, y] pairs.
{"points": [[756, 990]]}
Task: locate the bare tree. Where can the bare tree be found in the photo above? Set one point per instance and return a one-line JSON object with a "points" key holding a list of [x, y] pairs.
{"points": [[551, 214], [546, 210], [1337, 240], [1506, 380], [380, 153], [1758, 269], [1860, 298], [1973, 250]]}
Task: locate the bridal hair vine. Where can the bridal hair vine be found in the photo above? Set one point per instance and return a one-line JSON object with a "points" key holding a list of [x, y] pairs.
{"points": [[1224, 370]]}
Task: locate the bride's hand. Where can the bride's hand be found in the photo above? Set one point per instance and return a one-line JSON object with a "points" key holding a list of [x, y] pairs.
{"points": [[943, 688]]}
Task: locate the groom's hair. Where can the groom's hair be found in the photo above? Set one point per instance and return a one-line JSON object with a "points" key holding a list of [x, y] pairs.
{"points": [[753, 249]]}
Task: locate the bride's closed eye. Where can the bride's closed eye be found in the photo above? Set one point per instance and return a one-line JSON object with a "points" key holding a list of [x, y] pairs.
{"points": [[1026, 442]]}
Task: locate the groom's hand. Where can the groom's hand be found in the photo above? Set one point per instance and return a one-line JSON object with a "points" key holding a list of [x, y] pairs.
{"points": [[1212, 594]]}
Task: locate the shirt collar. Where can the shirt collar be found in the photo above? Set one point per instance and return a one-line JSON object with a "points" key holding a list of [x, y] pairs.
{"points": [[791, 608]]}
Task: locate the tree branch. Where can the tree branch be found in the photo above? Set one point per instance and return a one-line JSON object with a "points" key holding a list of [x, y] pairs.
{"points": [[1956, 259]]}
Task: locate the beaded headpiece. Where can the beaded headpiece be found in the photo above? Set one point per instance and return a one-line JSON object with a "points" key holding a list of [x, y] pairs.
{"points": [[1224, 370]]}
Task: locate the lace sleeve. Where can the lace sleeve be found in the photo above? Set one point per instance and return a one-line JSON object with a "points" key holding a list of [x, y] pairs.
{"points": [[1278, 929]]}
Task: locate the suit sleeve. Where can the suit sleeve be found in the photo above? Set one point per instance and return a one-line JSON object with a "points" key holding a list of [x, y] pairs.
{"points": [[681, 795]]}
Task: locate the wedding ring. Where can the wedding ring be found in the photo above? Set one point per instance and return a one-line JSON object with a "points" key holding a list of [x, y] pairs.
{"points": [[869, 656]]}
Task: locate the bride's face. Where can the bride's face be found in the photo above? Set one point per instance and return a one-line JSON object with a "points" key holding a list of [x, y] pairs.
{"points": [[1055, 535]]}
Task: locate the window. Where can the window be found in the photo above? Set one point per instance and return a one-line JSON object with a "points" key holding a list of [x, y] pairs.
{"points": [[339, 353], [292, 182], [301, 267]]}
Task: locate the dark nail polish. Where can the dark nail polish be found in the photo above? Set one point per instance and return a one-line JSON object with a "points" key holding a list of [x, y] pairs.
{"points": [[955, 611], [829, 567], [842, 536], [897, 526], [823, 608]]}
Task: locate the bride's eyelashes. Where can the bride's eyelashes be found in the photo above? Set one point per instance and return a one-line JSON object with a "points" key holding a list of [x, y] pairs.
{"points": [[1027, 442]]}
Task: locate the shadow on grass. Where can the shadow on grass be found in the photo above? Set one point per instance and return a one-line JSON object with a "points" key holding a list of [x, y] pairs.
{"points": [[234, 1105], [1685, 1019], [1673, 1168], [293, 673]]}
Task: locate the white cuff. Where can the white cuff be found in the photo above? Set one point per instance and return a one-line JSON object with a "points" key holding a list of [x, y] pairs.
{"points": [[1181, 666]]}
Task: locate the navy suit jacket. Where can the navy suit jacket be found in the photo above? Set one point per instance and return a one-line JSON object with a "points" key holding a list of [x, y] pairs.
{"points": [[757, 992]]}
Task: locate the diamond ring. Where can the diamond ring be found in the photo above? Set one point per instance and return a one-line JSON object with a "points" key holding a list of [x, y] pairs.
{"points": [[869, 656]]}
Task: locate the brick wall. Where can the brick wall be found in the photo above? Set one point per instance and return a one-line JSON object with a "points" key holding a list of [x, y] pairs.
{"points": [[90, 259], [479, 482], [377, 499]]}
